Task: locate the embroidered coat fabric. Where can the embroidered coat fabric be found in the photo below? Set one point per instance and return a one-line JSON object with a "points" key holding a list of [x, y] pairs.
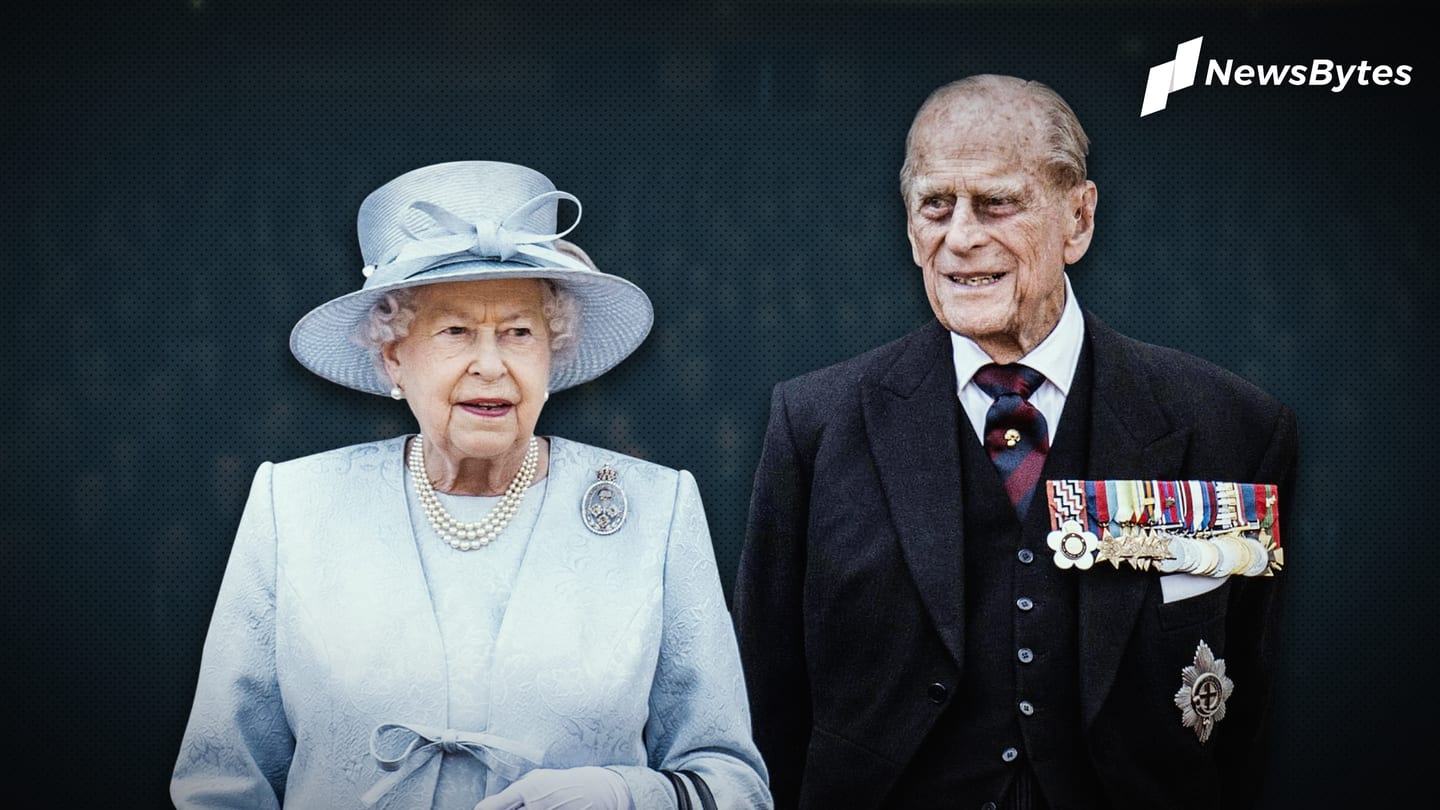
{"points": [[613, 650]]}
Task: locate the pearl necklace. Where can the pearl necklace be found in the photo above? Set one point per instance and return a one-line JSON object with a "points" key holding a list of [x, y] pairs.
{"points": [[470, 536]]}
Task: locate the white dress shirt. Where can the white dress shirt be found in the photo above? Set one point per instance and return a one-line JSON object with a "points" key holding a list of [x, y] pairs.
{"points": [[1055, 357]]}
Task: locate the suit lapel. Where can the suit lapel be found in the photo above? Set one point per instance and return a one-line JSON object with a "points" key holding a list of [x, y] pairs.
{"points": [[1130, 437], [912, 415]]}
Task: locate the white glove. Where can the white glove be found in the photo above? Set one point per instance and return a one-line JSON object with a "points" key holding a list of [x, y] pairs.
{"points": [[584, 788]]}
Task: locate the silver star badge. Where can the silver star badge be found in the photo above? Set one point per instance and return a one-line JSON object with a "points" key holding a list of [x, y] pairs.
{"points": [[1203, 692]]}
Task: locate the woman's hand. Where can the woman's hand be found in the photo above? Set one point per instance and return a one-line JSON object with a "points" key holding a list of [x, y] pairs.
{"points": [[584, 788]]}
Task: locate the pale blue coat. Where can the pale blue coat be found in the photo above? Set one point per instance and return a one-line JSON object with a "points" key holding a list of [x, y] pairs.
{"points": [[614, 650]]}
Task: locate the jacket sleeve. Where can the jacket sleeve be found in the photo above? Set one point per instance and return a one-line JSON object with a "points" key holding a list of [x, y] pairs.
{"points": [[237, 745], [1254, 633], [699, 717], [769, 591]]}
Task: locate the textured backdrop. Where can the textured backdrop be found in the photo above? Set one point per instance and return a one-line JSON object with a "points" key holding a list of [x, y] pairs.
{"points": [[181, 181]]}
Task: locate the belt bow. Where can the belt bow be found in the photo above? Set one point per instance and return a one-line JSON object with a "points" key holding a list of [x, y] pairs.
{"points": [[418, 744]]}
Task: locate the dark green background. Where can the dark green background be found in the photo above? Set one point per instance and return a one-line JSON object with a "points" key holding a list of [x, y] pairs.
{"points": [[181, 181]]}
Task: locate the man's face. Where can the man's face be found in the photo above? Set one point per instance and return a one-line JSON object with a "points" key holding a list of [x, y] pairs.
{"points": [[991, 236]]}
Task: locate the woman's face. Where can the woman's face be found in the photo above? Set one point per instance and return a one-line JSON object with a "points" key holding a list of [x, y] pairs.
{"points": [[475, 367]]}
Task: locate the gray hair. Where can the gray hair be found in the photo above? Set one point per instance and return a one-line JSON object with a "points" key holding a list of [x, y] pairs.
{"points": [[1067, 144], [390, 317]]}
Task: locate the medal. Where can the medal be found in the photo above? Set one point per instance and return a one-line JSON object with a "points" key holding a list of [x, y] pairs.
{"points": [[1179, 558], [1203, 692], [1073, 546], [1207, 528], [603, 507]]}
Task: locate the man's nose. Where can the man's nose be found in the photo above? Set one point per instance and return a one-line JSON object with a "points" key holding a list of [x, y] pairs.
{"points": [[966, 232]]}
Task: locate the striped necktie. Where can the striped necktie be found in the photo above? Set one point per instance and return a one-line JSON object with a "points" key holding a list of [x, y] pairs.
{"points": [[1016, 436]]}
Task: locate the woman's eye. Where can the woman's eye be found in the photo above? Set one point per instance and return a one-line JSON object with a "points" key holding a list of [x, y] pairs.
{"points": [[521, 331], [453, 330]]}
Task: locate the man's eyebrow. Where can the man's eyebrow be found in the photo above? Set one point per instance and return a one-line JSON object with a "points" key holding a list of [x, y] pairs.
{"points": [[923, 188], [1000, 187], [986, 187]]}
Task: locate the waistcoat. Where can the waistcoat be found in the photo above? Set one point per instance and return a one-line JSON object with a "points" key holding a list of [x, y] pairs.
{"points": [[1011, 737]]}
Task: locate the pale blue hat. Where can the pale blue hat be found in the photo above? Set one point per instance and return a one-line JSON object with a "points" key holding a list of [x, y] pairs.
{"points": [[466, 221]]}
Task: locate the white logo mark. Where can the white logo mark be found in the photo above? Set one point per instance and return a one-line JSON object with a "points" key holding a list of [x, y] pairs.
{"points": [[1166, 78]]}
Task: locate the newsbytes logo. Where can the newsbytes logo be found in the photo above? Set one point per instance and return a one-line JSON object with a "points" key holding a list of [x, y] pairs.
{"points": [[1179, 73]]}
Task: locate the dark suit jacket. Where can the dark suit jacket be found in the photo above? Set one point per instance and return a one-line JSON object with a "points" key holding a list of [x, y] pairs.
{"points": [[849, 600]]}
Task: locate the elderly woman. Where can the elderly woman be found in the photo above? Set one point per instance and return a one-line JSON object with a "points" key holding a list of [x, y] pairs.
{"points": [[472, 616]]}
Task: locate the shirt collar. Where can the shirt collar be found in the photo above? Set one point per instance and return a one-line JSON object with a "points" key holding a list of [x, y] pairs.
{"points": [[1056, 357]]}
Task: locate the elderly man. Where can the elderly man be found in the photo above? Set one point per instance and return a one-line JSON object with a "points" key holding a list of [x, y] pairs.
{"points": [[1013, 559]]}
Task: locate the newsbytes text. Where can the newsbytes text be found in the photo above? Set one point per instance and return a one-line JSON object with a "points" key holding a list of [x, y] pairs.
{"points": [[1319, 73]]}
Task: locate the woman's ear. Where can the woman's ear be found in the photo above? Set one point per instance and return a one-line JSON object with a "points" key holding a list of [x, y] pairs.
{"points": [[391, 358]]}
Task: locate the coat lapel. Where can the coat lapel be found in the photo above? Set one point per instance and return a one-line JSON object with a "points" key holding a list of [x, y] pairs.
{"points": [[912, 416], [1130, 437], [399, 613], [354, 584]]}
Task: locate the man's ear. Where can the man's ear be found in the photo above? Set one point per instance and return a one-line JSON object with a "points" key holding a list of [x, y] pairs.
{"points": [[1082, 208]]}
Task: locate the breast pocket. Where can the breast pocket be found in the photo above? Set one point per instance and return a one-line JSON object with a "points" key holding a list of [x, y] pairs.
{"points": [[1202, 608]]}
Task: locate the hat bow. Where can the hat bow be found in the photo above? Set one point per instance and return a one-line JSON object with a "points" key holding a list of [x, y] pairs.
{"points": [[453, 236]]}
